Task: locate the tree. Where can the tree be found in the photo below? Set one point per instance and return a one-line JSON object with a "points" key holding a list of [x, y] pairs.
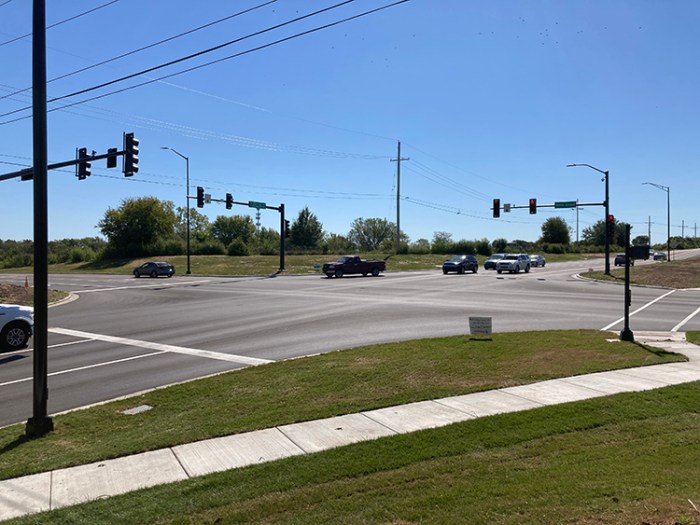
{"points": [[442, 242], [306, 230], [368, 234], [555, 231], [266, 241], [499, 245], [594, 234], [200, 228], [335, 243], [640, 240], [138, 224], [226, 229]]}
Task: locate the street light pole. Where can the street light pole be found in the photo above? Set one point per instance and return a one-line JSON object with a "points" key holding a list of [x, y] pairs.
{"points": [[667, 189], [187, 199], [606, 174]]}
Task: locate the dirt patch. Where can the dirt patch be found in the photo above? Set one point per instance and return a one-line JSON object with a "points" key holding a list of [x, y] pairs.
{"points": [[13, 294]]}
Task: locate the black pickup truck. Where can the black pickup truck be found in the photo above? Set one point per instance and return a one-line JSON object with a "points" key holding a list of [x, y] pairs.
{"points": [[352, 264]]}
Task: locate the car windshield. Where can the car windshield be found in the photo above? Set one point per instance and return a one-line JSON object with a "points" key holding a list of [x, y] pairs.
{"points": [[497, 256], [344, 259], [456, 258], [510, 257]]}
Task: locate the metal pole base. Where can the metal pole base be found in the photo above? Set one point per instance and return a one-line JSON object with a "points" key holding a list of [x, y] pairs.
{"points": [[37, 427], [627, 335]]}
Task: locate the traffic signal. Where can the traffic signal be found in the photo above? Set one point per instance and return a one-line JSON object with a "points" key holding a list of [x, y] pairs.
{"points": [[496, 208], [533, 206], [112, 159], [229, 201], [610, 226], [286, 229], [83, 165], [200, 197], [131, 154]]}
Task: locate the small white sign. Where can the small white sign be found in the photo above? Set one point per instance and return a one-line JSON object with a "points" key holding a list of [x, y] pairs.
{"points": [[207, 198], [480, 325]]}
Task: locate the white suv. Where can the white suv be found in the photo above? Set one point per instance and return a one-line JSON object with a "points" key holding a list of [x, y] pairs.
{"points": [[513, 263], [16, 325]]}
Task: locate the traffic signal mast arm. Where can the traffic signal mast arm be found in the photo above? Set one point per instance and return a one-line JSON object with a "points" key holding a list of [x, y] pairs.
{"points": [[28, 173], [527, 206], [225, 201]]}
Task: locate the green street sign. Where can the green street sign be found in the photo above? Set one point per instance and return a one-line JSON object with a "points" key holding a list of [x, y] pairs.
{"points": [[565, 204], [257, 205]]}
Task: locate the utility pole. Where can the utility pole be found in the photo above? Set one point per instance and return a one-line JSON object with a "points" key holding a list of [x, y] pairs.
{"points": [[649, 230], [398, 160], [683, 229]]}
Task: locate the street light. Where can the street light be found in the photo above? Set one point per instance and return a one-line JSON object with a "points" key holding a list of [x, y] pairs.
{"points": [[667, 189], [607, 210], [187, 199]]}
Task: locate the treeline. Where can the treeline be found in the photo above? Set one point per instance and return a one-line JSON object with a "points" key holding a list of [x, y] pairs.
{"points": [[149, 227]]}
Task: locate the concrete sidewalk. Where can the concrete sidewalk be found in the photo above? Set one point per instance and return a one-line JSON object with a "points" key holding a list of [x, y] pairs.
{"points": [[70, 486]]}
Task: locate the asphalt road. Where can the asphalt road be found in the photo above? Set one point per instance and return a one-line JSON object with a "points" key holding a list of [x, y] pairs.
{"points": [[124, 335]]}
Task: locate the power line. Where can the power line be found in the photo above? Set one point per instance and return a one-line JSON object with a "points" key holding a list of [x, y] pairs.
{"points": [[58, 23], [149, 46], [236, 55], [185, 58]]}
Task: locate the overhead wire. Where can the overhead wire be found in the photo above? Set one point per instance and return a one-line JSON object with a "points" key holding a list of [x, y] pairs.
{"points": [[194, 68], [149, 46], [61, 22], [185, 58]]}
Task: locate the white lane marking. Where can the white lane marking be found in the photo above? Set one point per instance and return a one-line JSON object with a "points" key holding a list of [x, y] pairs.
{"points": [[86, 367], [678, 326], [241, 359], [637, 310], [149, 285]]}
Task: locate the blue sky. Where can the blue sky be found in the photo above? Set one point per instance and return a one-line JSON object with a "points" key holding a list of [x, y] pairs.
{"points": [[490, 99]]}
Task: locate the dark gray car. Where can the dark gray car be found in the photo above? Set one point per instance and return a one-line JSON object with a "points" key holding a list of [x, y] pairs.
{"points": [[155, 269]]}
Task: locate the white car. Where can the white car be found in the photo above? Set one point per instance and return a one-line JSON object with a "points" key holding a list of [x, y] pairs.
{"points": [[513, 263], [16, 326]]}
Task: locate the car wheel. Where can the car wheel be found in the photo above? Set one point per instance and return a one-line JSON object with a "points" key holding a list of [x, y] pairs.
{"points": [[499, 271], [136, 274], [329, 275], [444, 272], [527, 269], [375, 272], [461, 270], [476, 269], [14, 336], [154, 274], [339, 273], [543, 264], [517, 269]]}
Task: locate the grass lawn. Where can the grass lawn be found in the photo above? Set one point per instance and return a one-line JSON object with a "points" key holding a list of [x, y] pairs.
{"points": [[317, 387], [629, 459]]}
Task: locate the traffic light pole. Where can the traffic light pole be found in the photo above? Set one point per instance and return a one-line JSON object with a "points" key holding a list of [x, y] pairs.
{"points": [[40, 423], [626, 334], [282, 236]]}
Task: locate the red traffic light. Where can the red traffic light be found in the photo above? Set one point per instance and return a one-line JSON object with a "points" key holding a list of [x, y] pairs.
{"points": [[533, 206]]}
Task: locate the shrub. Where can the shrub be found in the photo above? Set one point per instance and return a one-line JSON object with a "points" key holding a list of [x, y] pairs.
{"points": [[212, 247], [238, 248]]}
